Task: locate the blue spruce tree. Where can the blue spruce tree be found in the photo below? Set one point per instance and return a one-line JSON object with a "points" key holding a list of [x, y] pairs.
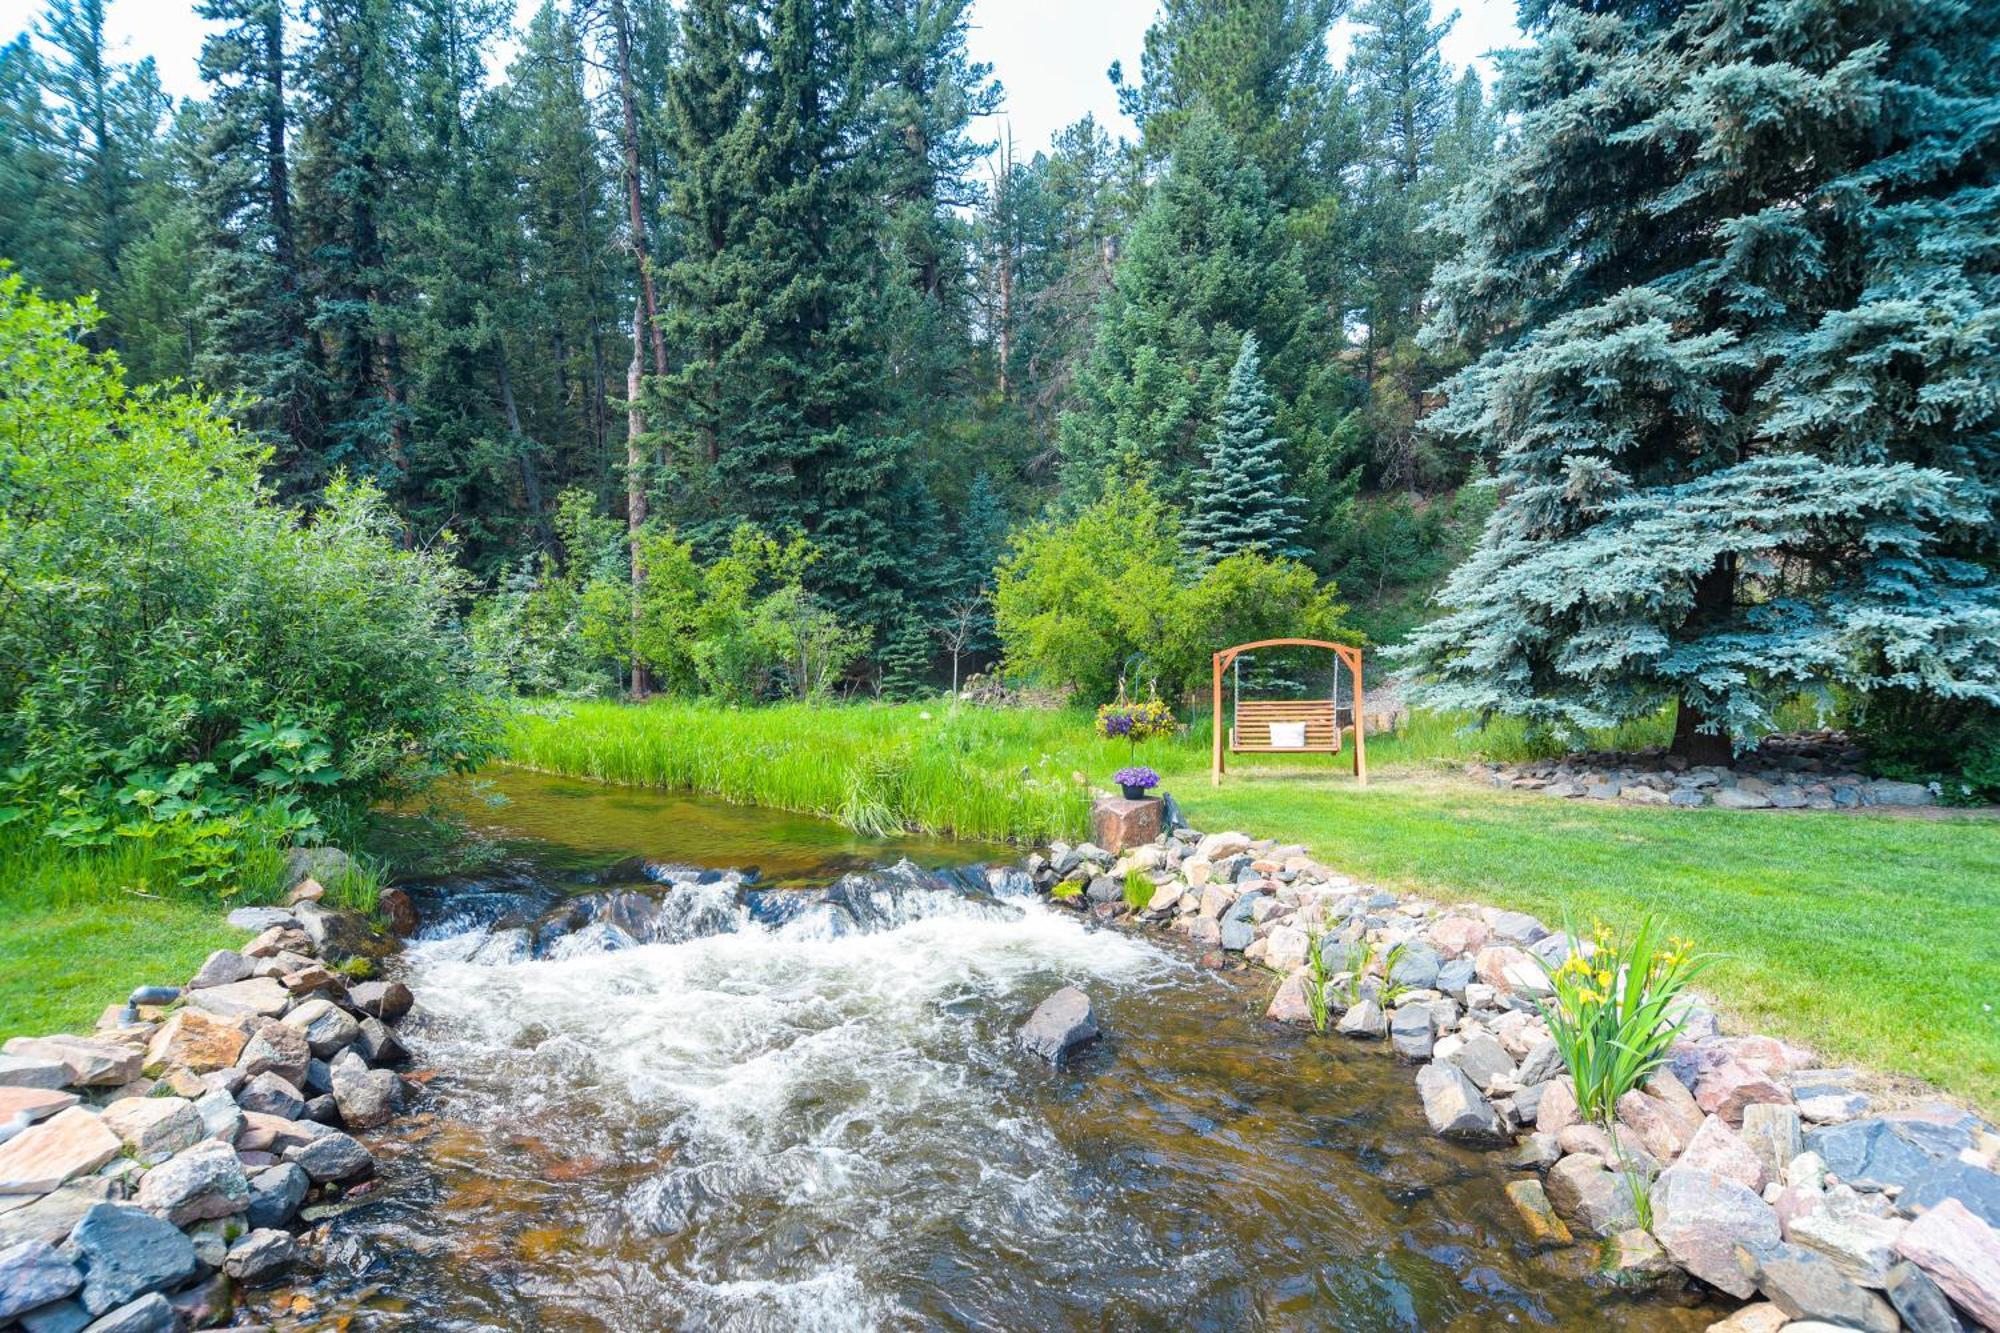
{"points": [[1241, 501], [1739, 267]]}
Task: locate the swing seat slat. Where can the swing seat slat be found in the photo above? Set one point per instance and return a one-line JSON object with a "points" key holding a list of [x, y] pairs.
{"points": [[1251, 733]]}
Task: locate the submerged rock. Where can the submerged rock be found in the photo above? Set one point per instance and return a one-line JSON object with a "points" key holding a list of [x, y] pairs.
{"points": [[1059, 1024]]}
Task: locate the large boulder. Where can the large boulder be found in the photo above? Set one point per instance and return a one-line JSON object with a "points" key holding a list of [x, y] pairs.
{"points": [[221, 968], [151, 1313], [1700, 1218], [150, 1126], [32, 1071], [338, 935], [1059, 1024], [43, 1156], [261, 1256], [1718, 1148], [1806, 1285], [1289, 1004], [205, 1181], [328, 1028], [332, 1156], [268, 1094], [197, 1041], [276, 1193], [51, 1217], [1880, 1153], [1961, 1254], [125, 1252], [1364, 1020], [1923, 1307], [366, 1097], [277, 1049], [1728, 1088], [1455, 1107], [260, 997], [386, 1000]]}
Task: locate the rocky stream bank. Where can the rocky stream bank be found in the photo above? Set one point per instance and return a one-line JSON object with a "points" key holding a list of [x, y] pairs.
{"points": [[1812, 1194]]}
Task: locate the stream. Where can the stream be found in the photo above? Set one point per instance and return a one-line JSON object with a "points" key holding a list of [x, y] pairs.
{"points": [[667, 1095]]}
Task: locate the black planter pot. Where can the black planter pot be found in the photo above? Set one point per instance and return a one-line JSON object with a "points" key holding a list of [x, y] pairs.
{"points": [[1134, 793]]}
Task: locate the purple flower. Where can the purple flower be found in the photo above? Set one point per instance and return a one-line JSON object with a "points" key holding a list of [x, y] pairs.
{"points": [[1139, 776]]}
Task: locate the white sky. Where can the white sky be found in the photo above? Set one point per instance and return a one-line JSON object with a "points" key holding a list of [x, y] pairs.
{"points": [[1050, 55]]}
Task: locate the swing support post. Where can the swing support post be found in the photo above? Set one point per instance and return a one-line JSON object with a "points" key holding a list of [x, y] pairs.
{"points": [[1328, 722]]}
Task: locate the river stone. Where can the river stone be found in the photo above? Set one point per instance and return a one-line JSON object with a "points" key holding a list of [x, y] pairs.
{"points": [[261, 1256], [32, 1274], [1590, 1196], [1454, 1106], [329, 1029], [268, 1094], [276, 1049], [1919, 1301], [1633, 1259], [1363, 1021], [1205, 933], [152, 1125], [1542, 1063], [1806, 1285], [276, 1193], [90, 1063], [51, 1217], [1773, 1133], [151, 1313], [1060, 1023], [1286, 947], [378, 1045], [1700, 1217], [260, 919], [222, 968], [1289, 1004], [125, 1252], [365, 1097], [221, 1117], [1975, 1187], [43, 1156], [1483, 1059], [1237, 935], [1861, 1245], [1718, 1148], [29, 1105], [332, 1156], [339, 935], [1961, 1254], [1537, 1217], [260, 996], [205, 1181], [1416, 967], [1455, 976], [1410, 1032]]}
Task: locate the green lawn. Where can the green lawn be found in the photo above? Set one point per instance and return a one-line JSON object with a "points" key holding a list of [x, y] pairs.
{"points": [[59, 966], [1872, 938]]}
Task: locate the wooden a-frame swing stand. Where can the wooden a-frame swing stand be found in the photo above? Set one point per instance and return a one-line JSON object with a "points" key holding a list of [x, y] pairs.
{"points": [[1250, 724]]}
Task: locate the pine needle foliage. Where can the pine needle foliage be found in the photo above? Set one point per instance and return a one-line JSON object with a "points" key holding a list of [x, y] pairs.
{"points": [[1242, 501]]}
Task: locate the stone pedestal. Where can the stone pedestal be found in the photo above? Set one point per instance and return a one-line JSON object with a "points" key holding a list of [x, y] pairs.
{"points": [[1118, 825]]}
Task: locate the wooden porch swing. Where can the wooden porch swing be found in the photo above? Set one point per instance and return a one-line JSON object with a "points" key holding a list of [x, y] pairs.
{"points": [[1317, 723]]}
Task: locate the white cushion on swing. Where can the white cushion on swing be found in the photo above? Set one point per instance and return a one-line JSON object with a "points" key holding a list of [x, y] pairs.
{"points": [[1288, 735]]}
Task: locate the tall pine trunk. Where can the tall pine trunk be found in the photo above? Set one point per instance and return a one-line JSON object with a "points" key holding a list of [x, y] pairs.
{"points": [[635, 485], [634, 199]]}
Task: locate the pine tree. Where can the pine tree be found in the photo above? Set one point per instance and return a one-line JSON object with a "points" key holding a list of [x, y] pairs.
{"points": [[1241, 498], [35, 211], [1744, 430], [251, 307], [1207, 261]]}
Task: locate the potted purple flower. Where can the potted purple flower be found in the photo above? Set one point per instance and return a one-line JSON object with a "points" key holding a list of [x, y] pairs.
{"points": [[1136, 781]]}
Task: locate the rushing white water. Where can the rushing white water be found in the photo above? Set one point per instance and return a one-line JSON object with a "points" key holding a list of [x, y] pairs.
{"points": [[807, 1105]]}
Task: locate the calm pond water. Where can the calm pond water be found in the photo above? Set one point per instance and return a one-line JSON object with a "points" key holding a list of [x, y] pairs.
{"points": [[668, 1100]]}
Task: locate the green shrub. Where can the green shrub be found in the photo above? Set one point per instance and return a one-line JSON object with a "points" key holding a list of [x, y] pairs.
{"points": [[183, 660], [1920, 738], [1102, 601]]}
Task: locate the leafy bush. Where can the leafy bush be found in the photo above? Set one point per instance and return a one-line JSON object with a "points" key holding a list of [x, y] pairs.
{"points": [[182, 659], [1921, 738], [1077, 601]]}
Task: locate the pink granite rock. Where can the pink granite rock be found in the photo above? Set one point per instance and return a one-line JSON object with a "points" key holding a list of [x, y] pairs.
{"points": [[43, 1156], [1732, 1085], [1961, 1254], [1718, 1148]]}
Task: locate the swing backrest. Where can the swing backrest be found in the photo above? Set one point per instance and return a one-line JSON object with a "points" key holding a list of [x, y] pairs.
{"points": [[1252, 730]]}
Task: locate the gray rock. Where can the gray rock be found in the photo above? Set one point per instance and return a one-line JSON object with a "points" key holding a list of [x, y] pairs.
{"points": [[205, 1181], [224, 967], [259, 996], [1410, 1032], [1917, 1299], [1417, 967], [1237, 934], [1059, 1024], [25, 1071], [378, 1045], [1806, 1285], [276, 1049], [1516, 928], [91, 1063], [324, 1110], [329, 1029], [1542, 1063], [1363, 1020], [1483, 1059], [341, 935], [33, 1274], [1700, 1217], [325, 864], [261, 1256], [1877, 1153], [1975, 1187], [259, 919], [149, 1314], [1686, 798], [1824, 1103], [332, 1156], [267, 1094], [1861, 1245], [1738, 798], [1772, 1132], [386, 1000], [1105, 889], [1886, 792], [1787, 797], [319, 1079], [126, 1252], [366, 1097], [221, 1117], [276, 1193], [1454, 1106], [1590, 1196], [1455, 976]]}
